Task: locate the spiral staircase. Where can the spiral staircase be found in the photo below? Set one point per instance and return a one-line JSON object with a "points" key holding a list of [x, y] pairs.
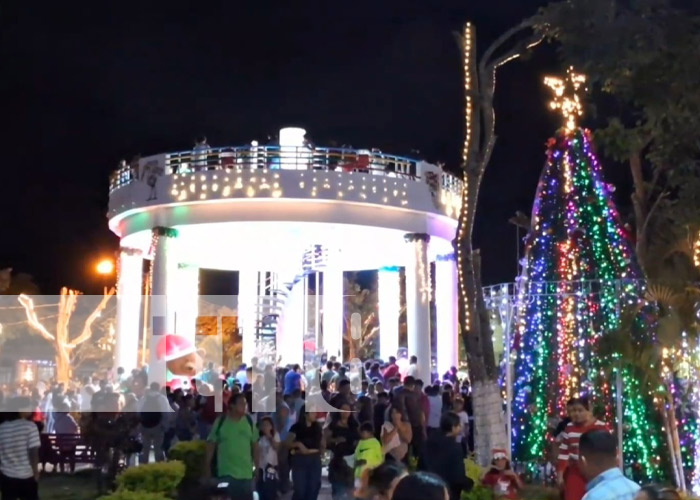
{"points": [[272, 299]]}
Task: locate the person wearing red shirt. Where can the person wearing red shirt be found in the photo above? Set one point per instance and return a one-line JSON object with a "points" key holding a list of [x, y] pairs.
{"points": [[392, 370], [569, 476], [500, 478]]}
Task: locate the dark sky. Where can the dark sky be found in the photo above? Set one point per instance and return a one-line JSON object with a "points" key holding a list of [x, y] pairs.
{"points": [[86, 84]]}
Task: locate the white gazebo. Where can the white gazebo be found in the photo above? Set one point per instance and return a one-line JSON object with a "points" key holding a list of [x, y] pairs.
{"points": [[279, 215]]}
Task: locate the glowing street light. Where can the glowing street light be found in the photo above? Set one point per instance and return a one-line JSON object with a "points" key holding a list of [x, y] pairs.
{"points": [[105, 267]]}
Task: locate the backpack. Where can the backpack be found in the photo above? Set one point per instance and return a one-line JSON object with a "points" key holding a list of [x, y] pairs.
{"points": [[215, 458], [151, 415]]}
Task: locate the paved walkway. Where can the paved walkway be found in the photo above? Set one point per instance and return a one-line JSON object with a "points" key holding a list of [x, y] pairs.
{"points": [[324, 495]]}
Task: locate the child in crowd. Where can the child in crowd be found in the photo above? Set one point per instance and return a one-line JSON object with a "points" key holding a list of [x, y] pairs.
{"points": [[368, 453], [269, 443], [504, 482]]}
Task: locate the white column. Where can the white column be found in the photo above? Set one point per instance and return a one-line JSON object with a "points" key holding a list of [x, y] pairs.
{"points": [[186, 301], [446, 312], [163, 270], [418, 302], [128, 308], [247, 308], [333, 306], [305, 315], [389, 308], [290, 346]]}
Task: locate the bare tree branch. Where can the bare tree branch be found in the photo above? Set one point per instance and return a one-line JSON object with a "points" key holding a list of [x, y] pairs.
{"points": [[87, 327], [527, 23], [32, 318], [652, 210]]}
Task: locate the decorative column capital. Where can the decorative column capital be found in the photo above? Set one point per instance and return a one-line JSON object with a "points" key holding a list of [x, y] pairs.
{"points": [[128, 251], [450, 257], [414, 237], [168, 232], [389, 269]]}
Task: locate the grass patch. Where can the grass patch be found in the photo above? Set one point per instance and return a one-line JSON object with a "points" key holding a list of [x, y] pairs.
{"points": [[79, 486]]}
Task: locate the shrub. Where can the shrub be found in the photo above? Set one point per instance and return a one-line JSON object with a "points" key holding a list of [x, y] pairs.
{"points": [[133, 495], [193, 454], [163, 477], [478, 493], [473, 470]]}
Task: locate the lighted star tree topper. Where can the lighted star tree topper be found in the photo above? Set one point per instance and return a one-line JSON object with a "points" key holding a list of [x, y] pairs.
{"points": [[579, 265]]}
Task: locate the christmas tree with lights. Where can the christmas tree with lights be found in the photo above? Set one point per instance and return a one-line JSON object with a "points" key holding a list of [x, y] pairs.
{"points": [[579, 268]]}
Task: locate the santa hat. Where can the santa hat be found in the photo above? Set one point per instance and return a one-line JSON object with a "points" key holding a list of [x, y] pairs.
{"points": [[174, 346], [499, 453]]}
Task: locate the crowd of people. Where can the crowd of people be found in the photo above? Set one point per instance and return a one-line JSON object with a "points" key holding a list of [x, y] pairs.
{"points": [[287, 421], [271, 431]]}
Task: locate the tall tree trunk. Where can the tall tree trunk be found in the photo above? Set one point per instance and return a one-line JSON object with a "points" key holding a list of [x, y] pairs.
{"points": [[639, 204], [490, 428], [468, 320], [479, 85], [63, 364]]}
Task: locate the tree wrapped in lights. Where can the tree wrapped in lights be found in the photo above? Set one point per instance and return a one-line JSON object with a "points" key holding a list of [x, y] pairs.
{"points": [[61, 339], [579, 268], [479, 141]]}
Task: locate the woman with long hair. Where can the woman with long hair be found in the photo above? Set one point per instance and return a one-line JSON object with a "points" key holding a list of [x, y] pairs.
{"points": [[569, 476], [306, 443], [341, 436], [396, 434]]}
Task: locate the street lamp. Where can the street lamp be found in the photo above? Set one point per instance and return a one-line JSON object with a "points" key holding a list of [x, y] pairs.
{"points": [[105, 267]]}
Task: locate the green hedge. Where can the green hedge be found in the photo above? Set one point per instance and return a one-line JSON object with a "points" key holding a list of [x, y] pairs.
{"points": [[134, 495], [193, 454], [473, 470], [478, 493], [159, 477]]}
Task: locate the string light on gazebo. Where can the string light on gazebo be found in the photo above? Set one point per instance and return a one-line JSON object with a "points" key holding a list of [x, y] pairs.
{"points": [[566, 98]]}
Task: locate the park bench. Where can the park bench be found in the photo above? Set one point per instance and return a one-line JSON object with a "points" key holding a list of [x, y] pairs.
{"points": [[63, 450]]}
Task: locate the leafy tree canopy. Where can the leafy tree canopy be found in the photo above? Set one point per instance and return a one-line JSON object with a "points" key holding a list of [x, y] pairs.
{"points": [[641, 58]]}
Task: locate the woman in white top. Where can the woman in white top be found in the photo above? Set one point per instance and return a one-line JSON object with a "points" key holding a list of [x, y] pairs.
{"points": [[396, 434], [268, 443], [463, 438]]}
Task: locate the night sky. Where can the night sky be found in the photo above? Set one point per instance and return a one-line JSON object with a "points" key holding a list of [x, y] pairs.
{"points": [[86, 84]]}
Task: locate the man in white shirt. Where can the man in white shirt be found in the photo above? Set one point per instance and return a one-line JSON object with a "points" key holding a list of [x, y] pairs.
{"points": [[412, 370], [86, 392], [19, 454]]}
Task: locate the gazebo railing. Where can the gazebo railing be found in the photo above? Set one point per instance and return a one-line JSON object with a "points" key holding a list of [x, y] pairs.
{"points": [[252, 157]]}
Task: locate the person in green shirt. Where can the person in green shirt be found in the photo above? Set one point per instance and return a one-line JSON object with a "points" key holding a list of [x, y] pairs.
{"points": [[368, 453], [234, 439]]}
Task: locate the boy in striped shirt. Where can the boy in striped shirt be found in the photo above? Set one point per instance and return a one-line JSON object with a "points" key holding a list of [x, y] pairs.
{"points": [[19, 453], [569, 476]]}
